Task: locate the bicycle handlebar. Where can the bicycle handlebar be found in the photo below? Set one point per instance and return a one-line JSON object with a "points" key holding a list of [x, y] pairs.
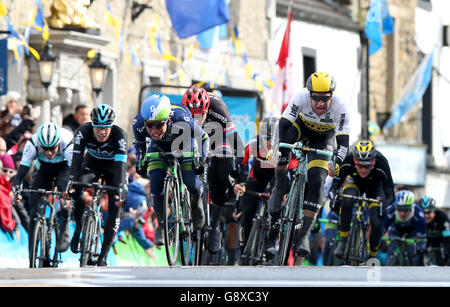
{"points": [[40, 191], [372, 200], [95, 186], [303, 148], [156, 155], [409, 241], [323, 220]]}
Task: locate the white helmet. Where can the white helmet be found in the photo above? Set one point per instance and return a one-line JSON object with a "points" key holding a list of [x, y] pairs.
{"points": [[48, 135]]}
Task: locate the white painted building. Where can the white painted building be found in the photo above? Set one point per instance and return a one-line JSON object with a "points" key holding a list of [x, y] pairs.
{"points": [[432, 23], [323, 38]]}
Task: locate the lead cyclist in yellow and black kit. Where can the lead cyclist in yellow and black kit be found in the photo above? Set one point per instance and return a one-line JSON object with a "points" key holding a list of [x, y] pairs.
{"points": [[319, 118]]}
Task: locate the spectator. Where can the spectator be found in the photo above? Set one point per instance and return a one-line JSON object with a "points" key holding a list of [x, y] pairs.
{"points": [[132, 173], [28, 115], [7, 222], [10, 115], [81, 116], [19, 213], [132, 217]]}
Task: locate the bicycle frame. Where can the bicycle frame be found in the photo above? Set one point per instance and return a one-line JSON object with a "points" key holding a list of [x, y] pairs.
{"points": [[293, 208]]}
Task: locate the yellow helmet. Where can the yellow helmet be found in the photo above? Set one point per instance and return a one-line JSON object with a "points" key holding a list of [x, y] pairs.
{"points": [[364, 152], [321, 82]]}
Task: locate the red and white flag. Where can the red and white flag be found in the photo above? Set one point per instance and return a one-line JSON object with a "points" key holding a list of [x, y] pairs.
{"points": [[284, 89]]}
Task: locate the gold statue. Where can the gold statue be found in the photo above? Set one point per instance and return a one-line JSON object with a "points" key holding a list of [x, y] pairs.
{"points": [[71, 14]]}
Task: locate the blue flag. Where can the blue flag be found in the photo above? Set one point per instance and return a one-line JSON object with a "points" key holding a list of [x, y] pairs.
{"points": [[378, 22], [413, 92], [190, 17], [3, 66]]}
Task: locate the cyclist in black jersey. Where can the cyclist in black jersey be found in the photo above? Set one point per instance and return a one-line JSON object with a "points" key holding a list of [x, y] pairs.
{"points": [[363, 170], [438, 228], [226, 150], [106, 146]]}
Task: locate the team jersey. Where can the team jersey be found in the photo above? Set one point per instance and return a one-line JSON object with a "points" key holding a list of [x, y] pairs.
{"points": [[335, 119], [218, 113], [33, 151], [415, 227], [179, 114], [436, 228], [114, 149], [380, 175]]}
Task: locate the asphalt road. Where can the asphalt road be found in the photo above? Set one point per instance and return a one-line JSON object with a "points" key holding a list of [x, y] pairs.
{"points": [[228, 277]]}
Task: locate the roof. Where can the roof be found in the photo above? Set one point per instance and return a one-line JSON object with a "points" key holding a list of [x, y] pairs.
{"points": [[322, 12]]}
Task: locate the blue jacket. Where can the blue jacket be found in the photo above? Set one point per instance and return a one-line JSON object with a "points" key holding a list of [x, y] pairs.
{"points": [[136, 195]]}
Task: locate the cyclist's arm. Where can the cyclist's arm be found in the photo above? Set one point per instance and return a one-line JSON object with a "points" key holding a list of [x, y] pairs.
{"points": [[120, 157], [388, 184], [28, 156], [77, 154], [139, 141], [420, 230], [198, 131]]}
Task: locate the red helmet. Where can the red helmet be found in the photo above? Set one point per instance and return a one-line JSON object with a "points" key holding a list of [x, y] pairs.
{"points": [[196, 99]]}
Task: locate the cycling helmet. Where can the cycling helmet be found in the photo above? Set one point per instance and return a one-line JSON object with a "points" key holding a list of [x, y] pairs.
{"points": [[48, 135], [267, 127], [196, 99], [103, 116], [156, 109], [404, 200], [321, 82], [427, 203], [364, 153]]}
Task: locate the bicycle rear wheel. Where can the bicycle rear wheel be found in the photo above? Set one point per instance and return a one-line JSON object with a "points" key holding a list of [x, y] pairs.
{"points": [[38, 250], [87, 238], [172, 218], [250, 248], [187, 228]]}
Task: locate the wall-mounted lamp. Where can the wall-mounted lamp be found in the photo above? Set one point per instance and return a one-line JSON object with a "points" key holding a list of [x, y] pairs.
{"points": [[46, 66], [98, 72]]}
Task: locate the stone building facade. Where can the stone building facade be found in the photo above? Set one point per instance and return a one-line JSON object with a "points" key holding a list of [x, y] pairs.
{"points": [[124, 78]]}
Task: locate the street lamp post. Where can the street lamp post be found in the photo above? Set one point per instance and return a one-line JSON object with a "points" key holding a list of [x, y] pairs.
{"points": [[46, 66], [98, 72]]}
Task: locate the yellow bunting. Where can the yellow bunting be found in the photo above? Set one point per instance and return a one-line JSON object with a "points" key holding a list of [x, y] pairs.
{"points": [[32, 50], [3, 10], [170, 57], [14, 46], [91, 53], [248, 71], [181, 75], [259, 84], [45, 33]]}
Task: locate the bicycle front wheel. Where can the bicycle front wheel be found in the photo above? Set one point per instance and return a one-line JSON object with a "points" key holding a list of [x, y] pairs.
{"points": [[87, 238], [187, 229], [172, 218], [38, 253]]}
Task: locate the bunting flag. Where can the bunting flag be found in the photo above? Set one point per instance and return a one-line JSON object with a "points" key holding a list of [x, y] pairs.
{"points": [[3, 10], [413, 91], [378, 22], [190, 19]]}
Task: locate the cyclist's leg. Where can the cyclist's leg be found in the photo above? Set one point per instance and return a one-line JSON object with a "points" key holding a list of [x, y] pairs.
{"points": [[157, 171], [87, 169], [64, 236], [218, 185], [195, 187], [248, 204], [350, 187], [113, 220], [376, 220], [317, 173]]}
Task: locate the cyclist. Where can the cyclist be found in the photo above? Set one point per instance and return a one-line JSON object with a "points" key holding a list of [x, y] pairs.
{"points": [[211, 112], [51, 147], [438, 228], [106, 146], [365, 170], [406, 219], [165, 124], [319, 117]]}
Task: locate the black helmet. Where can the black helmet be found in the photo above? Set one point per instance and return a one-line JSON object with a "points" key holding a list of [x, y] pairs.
{"points": [[102, 116]]}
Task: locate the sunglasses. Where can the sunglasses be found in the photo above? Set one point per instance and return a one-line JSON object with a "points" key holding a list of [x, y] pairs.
{"points": [[8, 170], [51, 149], [366, 164], [155, 125], [320, 98]]}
